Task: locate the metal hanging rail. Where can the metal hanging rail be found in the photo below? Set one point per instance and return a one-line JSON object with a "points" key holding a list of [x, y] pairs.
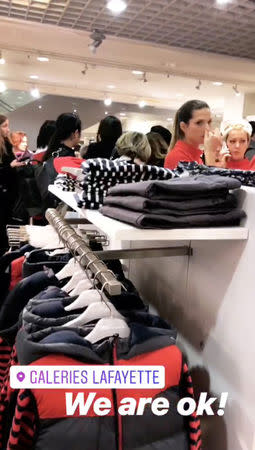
{"points": [[83, 253]]}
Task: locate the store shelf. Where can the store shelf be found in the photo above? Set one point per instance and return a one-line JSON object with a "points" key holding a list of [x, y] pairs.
{"points": [[124, 232], [116, 230], [68, 198]]}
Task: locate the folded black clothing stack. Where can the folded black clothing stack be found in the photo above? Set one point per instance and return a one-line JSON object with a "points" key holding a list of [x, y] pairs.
{"points": [[100, 174], [195, 201]]}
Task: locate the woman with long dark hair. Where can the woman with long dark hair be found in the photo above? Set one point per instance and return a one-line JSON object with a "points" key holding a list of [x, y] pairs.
{"points": [[63, 141], [109, 131], [66, 136]]}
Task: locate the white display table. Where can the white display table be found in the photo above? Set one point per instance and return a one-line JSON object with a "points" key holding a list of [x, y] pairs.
{"points": [[210, 298]]}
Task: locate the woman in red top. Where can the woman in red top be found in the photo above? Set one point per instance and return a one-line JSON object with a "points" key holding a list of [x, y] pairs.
{"points": [[237, 136], [192, 121]]}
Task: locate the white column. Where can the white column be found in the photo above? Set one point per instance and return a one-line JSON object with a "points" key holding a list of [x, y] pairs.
{"points": [[233, 107], [249, 106]]}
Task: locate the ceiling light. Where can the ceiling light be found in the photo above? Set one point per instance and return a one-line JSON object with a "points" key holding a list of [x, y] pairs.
{"points": [[97, 39], [42, 59], [111, 86], [142, 104], [33, 77], [35, 92], [217, 83], [2, 86], [169, 119], [236, 91], [224, 2], [108, 101], [2, 60], [75, 110], [137, 72], [40, 106], [116, 6], [106, 112], [123, 114]]}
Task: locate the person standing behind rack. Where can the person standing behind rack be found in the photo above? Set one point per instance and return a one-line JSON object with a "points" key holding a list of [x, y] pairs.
{"points": [[65, 138], [133, 147], [63, 141], [164, 133], [192, 121], [236, 135], [7, 180], [250, 152], [46, 132], [158, 149], [109, 131]]}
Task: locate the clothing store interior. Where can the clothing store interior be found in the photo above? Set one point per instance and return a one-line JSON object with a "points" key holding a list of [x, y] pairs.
{"points": [[127, 177]]}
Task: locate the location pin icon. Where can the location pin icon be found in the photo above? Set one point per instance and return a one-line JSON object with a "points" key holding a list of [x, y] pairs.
{"points": [[20, 376]]}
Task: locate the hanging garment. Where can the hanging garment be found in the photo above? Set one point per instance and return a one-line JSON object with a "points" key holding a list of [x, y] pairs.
{"points": [[16, 271], [41, 314], [38, 259], [23, 291], [146, 345]]}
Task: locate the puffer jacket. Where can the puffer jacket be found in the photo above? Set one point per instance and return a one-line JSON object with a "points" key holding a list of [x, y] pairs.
{"points": [[41, 421]]}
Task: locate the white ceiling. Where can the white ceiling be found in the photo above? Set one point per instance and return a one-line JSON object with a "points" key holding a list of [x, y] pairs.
{"points": [[159, 90], [195, 24], [172, 73]]}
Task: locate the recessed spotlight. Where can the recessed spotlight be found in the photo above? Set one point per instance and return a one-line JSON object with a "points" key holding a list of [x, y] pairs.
{"points": [[35, 92], [106, 112], [33, 77], [116, 6], [137, 72], [123, 114], [224, 2], [2, 86], [142, 104], [40, 106], [217, 83], [108, 101], [42, 59], [75, 110], [111, 86]]}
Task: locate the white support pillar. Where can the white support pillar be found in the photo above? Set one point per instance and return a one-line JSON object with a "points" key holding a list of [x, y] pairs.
{"points": [[233, 107]]}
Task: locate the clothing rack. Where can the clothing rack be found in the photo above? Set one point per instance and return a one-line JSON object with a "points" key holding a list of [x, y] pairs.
{"points": [[17, 235], [83, 253]]}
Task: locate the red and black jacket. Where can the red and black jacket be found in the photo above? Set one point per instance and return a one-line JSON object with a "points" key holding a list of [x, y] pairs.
{"points": [[41, 422]]}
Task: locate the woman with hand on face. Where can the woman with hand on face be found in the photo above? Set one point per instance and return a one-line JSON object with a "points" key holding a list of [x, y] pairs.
{"points": [[236, 135], [192, 121]]}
